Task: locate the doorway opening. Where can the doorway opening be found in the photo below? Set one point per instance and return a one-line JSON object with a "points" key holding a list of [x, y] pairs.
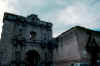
{"points": [[32, 58]]}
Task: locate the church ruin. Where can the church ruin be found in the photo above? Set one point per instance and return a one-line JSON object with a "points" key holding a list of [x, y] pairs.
{"points": [[24, 41], [28, 41]]}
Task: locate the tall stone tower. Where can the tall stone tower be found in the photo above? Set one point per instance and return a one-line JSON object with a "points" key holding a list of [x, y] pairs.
{"points": [[24, 41]]}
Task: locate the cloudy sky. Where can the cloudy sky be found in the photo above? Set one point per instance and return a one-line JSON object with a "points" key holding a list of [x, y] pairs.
{"points": [[64, 14]]}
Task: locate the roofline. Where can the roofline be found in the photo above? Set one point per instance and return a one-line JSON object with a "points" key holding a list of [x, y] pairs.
{"points": [[7, 13], [23, 19], [77, 28]]}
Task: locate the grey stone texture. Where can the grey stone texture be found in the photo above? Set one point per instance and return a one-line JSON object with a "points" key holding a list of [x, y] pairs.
{"points": [[72, 46], [21, 34]]}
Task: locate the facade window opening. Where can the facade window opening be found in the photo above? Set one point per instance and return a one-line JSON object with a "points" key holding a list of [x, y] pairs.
{"points": [[32, 35]]}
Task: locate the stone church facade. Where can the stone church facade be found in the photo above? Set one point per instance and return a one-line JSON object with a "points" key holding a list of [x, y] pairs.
{"points": [[28, 41], [25, 40]]}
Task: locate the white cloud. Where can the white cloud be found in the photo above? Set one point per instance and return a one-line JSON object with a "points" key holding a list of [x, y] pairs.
{"points": [[2, 8], [3, 5], [34, 3], [25, 7], [79, 14]]}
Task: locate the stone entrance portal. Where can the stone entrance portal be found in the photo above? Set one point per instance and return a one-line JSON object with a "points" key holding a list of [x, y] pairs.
{"points": [[32, 58]]}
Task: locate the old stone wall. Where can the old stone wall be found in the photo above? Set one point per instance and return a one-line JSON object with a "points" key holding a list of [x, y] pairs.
{"points": [[72, 46], [22, 34]]}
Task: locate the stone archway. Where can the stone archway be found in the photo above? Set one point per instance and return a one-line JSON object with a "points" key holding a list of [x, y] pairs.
{"points": [[32, 58]]}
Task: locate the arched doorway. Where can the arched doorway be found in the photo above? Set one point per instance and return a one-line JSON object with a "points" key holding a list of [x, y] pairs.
{"points": [[32, 58]]}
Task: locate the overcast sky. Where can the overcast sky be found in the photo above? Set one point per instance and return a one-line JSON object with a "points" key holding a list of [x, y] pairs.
{"points": [[64, 14]]}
